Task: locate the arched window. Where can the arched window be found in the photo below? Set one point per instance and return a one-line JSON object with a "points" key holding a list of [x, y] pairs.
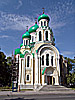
{"points": [[47, 59], [41, 23], [43, 60], [26, 42], [28, 61], [40, 36], [52, 60], [46, 35], [28, 77], [44, 23], [32, 38]]}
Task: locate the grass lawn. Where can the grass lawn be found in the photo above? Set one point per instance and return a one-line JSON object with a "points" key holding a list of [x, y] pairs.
{"points": [[5, 88], [73, 88], [26, 90]]}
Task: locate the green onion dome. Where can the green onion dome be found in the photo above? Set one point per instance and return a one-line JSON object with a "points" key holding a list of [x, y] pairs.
{"points": [[43, 16], [26, 35], [53, 39], [33, 28], [21, 45], [17, 51], [22, 55]]}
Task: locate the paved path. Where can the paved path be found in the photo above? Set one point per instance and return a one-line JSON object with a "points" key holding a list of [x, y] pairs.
{"points": [[60, 89], [35, 92], [45, 93], [40, 97]]}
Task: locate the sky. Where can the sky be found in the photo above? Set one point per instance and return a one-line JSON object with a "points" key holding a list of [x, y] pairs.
{"points": [[15, 15]]}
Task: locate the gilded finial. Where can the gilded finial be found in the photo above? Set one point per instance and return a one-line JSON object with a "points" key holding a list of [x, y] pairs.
{"points": [[35, 20], [26, 28], [43, 10]]}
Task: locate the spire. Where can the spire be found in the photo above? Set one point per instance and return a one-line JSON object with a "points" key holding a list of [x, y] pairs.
{"points": [[35, 20], [43, 10], [12, 53], [26, 28], [12, 57]]}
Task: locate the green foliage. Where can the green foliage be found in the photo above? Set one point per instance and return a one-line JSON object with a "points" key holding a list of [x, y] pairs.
{"points": [[73, 78], [70, 64], [9, 60], [5, 71], [70, 78]]}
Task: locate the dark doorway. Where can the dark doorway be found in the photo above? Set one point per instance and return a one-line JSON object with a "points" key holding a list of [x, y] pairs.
{"points": [[49, 80]]}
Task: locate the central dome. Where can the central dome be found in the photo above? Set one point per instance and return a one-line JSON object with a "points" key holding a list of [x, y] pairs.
{"points": [[43, 16], [33, 28]]}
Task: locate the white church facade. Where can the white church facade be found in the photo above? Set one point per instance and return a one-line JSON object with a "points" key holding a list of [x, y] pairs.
{"points": [[38, 56]]}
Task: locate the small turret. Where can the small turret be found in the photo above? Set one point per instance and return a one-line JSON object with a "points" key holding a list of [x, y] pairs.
{"points": [[43, 19]]}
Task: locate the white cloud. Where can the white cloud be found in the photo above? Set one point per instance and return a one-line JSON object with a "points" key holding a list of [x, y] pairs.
{"points": [[56, 25], [14, 22], [19, 5], [8, 55], [69, 53], [61, 15], [4, 36]]}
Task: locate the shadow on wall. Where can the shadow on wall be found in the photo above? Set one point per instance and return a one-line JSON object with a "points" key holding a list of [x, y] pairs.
{"points": [[19, 99]]}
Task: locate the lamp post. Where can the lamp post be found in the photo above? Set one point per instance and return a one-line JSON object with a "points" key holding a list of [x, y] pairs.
{"points": [[0, 47], [15, 68]]}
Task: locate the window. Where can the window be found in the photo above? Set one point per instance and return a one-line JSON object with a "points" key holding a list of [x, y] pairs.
{"points": [[52, 60], [26, 42], [32, 38], [27, 78], [28, 61], [44, 23], [46, 35], [40, 36], [41, 23], [47, 59], [43, 60]]}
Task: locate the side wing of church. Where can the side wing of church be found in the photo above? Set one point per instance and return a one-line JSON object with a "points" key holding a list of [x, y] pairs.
{"points": [[38, 56]]}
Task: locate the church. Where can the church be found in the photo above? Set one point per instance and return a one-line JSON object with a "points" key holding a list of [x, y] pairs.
{"points": [[38, 56]]}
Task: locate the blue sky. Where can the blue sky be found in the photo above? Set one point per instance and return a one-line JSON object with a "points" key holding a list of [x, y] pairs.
{"points": [[15, 15]]}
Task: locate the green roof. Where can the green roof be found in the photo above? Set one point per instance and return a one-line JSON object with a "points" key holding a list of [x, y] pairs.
{"points": [[43, 16], [17, 51], [22, 55], [33, 54], [43, 71], [21, 45], [26, 35], [33, 28]]}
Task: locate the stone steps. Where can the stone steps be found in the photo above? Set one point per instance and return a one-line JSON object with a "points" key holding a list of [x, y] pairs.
{"points": [[54, 88]]}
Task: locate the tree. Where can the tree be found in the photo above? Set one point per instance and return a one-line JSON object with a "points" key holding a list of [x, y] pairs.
{"points": [[5, 72], [9, 62], [70, 64], [71, 71], [73, 78], [68, 78]]}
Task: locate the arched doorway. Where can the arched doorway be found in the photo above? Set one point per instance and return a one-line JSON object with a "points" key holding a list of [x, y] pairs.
{"points": [[49, 79]]}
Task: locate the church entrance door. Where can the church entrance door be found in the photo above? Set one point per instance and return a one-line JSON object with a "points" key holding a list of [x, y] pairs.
{"points": [[49, 80]]}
